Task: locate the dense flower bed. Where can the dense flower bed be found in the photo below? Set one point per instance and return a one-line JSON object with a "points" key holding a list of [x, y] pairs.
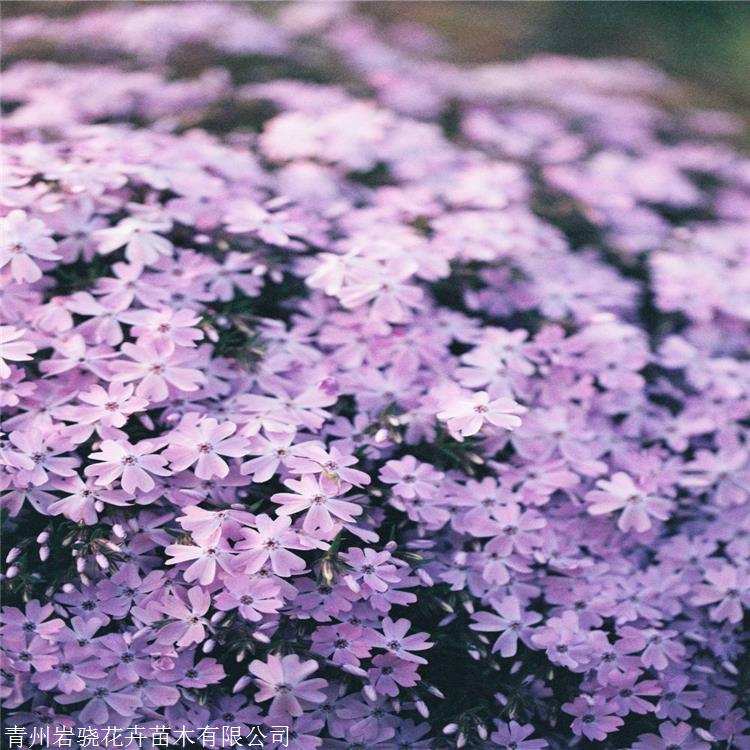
{"points": [[344, 389]]}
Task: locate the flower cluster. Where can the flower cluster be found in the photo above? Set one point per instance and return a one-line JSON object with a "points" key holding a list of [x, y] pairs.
{"points": [[344, 389]]}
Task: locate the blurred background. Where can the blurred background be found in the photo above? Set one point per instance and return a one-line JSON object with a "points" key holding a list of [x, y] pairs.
{"points": [[704, 43]]}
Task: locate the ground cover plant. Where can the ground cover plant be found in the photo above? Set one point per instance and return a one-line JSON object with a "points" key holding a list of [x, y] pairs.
{"points": [[400, 404]]}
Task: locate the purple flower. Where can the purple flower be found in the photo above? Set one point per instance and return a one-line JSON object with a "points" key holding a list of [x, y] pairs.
{"points": [[133, 465], [593, 719], [290, 372], [13, 348], [512, 736], [321, 505], [638, 507], [25, 238], [511, 621], [394, 639], [203, 443], [284, 680], [671, 737], [728, 588], [468, 414], [270, 542]]}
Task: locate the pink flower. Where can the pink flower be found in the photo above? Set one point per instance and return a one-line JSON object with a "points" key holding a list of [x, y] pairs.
{"points": [[271, 541], [659, 646], [392, 298], [37, 653], [284, 413], [13, 386], [467, 416], [77, 222], [252, 598], [728, 588], [143, 245], [206, 558], [333, 466], [23, 239], [209, 526], [109, 408], [176, 326], [513, 528], [411, 478], [561, 637], [237, 270], [389, 673], [246, 217], [74, 668], [13, 348], [104, 318], [34, 621], [726, 470], [284, 679], [371, 567], [273, 449], [671, 737], [321, 506], [498, 352], [512, 736], [342, 643], [638, 506], [106, 700], [38, 455], [157, 366], [132, 464], [74, 354], [511, 621], [83, 500], [593, 719], [189, 624], [203, 442], [394, 639]]}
